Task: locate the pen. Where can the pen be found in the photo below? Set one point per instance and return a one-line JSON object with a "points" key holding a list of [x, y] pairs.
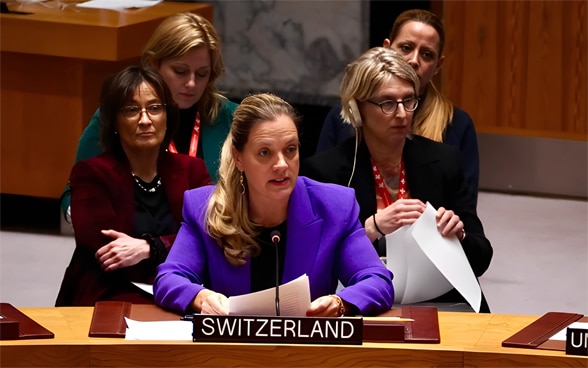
{"points": [[388, 319]]}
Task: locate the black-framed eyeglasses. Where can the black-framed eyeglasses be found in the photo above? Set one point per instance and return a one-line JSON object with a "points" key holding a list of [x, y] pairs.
{"points": [[134, 112], [389, 107]]}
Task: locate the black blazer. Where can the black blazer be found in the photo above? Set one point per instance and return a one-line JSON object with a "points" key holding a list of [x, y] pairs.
{"points": [[434, 174]]}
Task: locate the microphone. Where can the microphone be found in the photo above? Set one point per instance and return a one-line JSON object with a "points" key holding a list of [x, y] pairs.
{"points": [[275, 237]]}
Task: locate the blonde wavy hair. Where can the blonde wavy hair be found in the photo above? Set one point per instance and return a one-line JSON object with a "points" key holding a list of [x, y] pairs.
{"points": [[364, 77], [435, 111], [227, 214], [177, 35]]}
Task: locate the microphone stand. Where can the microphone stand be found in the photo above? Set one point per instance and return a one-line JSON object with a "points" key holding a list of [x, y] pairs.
{"points": [[275, 236]]}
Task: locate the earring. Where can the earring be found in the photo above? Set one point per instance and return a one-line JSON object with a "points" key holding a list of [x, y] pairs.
{"points": [[241, 183]]}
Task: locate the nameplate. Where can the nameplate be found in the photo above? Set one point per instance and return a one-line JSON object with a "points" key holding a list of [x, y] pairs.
{"points": [[8, 329], [14, 324], [277, 330], [577, 341]]}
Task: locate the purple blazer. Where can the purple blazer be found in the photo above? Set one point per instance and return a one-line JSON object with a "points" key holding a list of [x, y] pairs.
{"points": [[325, 241]]}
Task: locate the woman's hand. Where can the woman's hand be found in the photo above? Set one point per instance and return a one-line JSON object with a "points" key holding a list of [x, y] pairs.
{"points": [[123, 251], [325, 306], [401, 212], [449, 224], [209, 302]]}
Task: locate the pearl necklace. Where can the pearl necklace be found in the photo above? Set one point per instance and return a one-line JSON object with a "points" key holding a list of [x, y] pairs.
{"points": [[148, 190]]}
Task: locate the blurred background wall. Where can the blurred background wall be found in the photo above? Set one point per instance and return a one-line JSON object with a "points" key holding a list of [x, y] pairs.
{"points": [[517, 67]]}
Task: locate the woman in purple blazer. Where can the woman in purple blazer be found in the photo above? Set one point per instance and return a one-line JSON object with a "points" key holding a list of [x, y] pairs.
{"points": [[224, 247]]}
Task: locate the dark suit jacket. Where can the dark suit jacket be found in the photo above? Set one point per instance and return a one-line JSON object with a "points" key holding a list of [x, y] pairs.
{"points": [[433, 172], [102, 197], [460, 133]]}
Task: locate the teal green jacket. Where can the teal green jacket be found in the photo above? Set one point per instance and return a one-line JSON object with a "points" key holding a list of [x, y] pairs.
{"points": [[212, 138]]}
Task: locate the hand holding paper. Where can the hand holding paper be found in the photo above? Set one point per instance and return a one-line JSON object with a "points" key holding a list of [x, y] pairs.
{"points": [[427, 265]]}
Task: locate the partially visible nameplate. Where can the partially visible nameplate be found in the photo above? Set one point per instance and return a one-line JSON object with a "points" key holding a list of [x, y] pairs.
{"points": [[278, 330], [14, 325]]}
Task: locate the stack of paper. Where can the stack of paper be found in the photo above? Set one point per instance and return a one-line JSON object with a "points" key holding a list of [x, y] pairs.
{"points": [[294, 300]]}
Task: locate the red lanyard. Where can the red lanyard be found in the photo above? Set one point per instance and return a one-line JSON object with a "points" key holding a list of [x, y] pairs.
{"points": [[193, 140], [382, 195]]}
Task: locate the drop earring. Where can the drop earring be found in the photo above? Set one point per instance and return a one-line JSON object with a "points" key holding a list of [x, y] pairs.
{"points": [[242, 186]]}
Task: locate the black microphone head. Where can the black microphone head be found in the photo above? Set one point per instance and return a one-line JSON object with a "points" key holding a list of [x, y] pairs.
{"points": [[275, 236]]}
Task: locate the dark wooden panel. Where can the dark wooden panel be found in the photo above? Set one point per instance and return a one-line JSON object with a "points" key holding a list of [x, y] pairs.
{"points": [[519, 67]]}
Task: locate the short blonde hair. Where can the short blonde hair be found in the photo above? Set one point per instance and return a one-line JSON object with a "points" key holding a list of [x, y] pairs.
{"points": [[365, 76]]}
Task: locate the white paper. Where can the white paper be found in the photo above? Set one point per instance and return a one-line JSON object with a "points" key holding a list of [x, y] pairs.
{"points": [[561, 335], [148, 288], [427, 265], [117, 4], [294, 300], [159, 330], [416, 279]]}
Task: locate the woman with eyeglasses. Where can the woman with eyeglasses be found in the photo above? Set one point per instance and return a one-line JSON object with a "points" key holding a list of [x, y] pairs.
{"points": [[185, 50], [126, 203], [394, 172], [419, 36]]}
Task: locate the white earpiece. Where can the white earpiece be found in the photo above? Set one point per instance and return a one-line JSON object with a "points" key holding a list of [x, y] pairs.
{"points": [[354, 158], [354, 115]]}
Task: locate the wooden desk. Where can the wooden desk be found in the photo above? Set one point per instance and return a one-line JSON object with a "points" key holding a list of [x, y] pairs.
{"points": [[53, 62], [487, 350], [467, 339]]}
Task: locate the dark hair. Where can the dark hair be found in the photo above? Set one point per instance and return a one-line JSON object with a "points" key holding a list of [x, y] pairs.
{"points": [[118, 90]]}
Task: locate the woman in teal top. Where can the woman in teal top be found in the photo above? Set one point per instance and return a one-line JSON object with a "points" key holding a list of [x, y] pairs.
{"points": [[185, 51]]}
